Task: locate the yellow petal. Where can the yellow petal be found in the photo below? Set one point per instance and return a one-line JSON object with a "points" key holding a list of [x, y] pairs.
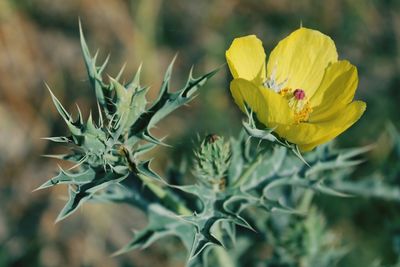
{"points": [[246, 59], [335, 92], [301, 59], [271, 108], [309, 135], [351, 114]]}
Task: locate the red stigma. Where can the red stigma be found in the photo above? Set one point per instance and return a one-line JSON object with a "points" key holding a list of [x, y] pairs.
{"points": [[299, 94]]}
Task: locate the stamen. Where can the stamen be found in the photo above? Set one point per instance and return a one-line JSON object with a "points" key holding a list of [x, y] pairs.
{"points": [[272, 83], [297, 101]]}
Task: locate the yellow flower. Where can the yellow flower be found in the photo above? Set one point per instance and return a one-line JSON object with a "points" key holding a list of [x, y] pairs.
{"points": [[304, 92]]}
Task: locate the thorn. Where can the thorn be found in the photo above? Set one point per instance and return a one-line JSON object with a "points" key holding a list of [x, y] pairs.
{"points": [[169, 69], [79, 114], [135, 82], [101, 121], [298, 154], [54, 156], [120, 72], [191, 72], [104, 64], [61, 110], [95, 56], [80, 25]]}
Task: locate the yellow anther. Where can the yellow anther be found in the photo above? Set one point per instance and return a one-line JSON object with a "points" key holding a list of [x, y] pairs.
{"points": [[300, 105]]}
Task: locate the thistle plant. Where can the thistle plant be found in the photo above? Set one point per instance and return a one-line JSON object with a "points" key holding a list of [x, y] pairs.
{"points": [[106, 153], [249, 192]]}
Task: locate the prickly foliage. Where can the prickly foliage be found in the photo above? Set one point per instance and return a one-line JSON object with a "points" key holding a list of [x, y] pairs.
{"points": [[304, 241], [382, 182], [106, 153], [255, 177]]}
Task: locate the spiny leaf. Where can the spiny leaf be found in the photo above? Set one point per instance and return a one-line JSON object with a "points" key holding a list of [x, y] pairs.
{"points": [[90, 126], [70, 178], [322, 188], [257, 133], [120, 91], [168, 102], [135, 83], [145, 169], [331, 165], [267, 134], [61, 110], [142, 149], [64, 114], [349, 153], [179, 98], [199, 244], [161, 223], [165, 84], [84, 192], [58, 139], [146, 135], [368, 187], [196, 189], [76, 199], [90, 63]]}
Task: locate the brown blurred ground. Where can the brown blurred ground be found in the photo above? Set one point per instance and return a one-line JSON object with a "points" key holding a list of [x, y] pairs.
{"points": [[39, 42]]}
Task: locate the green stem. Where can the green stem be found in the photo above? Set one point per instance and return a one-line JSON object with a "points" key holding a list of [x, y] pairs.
{"points": [[248, 172], [306, 200], [157, 190], [164, 196], [223, 257]]}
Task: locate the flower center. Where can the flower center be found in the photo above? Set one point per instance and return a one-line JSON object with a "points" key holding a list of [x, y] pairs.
{"points": [[299, 94], [297, 101], [297, 98]]}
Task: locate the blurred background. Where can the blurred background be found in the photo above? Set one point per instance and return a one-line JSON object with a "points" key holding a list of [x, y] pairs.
{"points": [[39, 42]]}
